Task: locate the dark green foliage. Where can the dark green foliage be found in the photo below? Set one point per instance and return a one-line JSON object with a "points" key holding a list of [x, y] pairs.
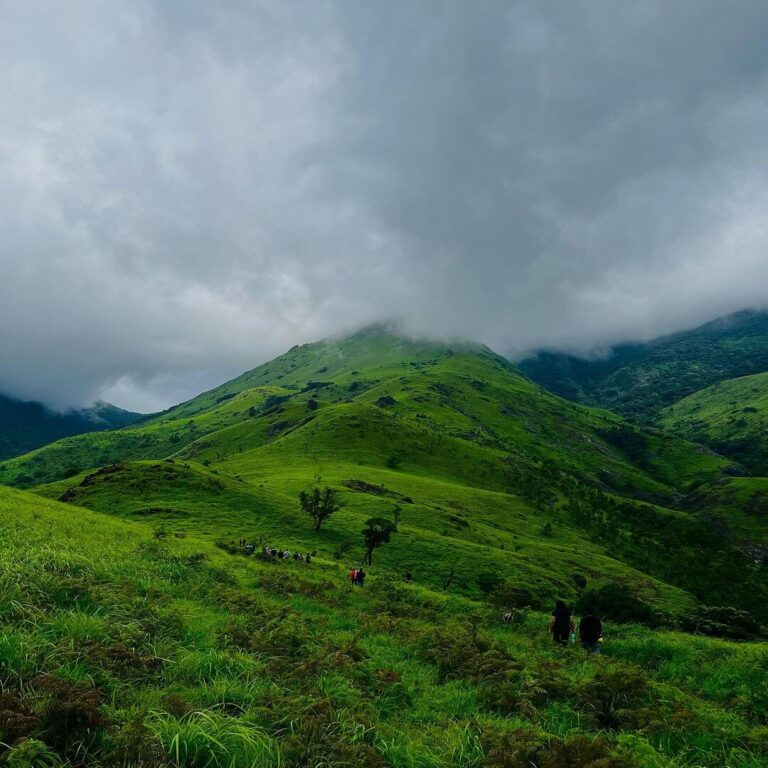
{"points": [[394, 461], [724, 621], [377, 532], [319, 505], [638, 380], [611, 601], [614, 695], [631, 442], [489, 581]]}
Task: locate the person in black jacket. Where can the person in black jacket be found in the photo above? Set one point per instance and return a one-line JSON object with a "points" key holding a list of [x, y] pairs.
{"points": [[561, 624], [590, 632]]}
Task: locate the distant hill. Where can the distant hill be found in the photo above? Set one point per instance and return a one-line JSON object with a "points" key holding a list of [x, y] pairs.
{"points": [[731, 417], [639, 380], [25, 426], [459, 410]]}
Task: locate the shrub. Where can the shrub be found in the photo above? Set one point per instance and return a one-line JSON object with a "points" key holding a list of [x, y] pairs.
{"points": [[69, 709], [613, 694], [32, 753], [489, 581], [612, 601], [723, 621]]}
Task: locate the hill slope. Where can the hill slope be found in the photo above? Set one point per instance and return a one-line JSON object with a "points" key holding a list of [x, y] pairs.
{"points": [[122, 647], [25, 426], [731, 416], [485, 471], [638, 380], [459, 410]]}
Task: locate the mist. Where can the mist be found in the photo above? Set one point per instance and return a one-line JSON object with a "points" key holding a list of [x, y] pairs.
{"points": [[188, 189]]}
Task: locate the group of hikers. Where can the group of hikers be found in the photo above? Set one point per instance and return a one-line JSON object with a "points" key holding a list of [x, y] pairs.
{"points": [[275, 553], [563, 628], [285, 554]]}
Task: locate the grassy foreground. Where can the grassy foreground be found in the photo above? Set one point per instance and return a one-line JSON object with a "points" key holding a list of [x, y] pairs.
{"points": [[125, 645]]}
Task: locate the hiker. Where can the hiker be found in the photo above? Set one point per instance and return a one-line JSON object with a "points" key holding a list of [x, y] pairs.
{"points": [[296, 556], [353, 576], [590, 632], [408, 577], [249, 549], [561, 624], [308, 559], [314, 553], [360, 578]]}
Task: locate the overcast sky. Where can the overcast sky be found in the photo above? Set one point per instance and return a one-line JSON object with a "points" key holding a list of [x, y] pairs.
{"points": [[188, 188]]}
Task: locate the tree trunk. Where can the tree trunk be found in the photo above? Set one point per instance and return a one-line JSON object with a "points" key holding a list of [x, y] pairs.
{"points": [[370, 556]]}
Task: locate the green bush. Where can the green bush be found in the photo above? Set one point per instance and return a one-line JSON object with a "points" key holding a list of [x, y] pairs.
{"points": [[613, 601]]}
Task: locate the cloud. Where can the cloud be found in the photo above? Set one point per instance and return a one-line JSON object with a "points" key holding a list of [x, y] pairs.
{"points": [[187, 188]]}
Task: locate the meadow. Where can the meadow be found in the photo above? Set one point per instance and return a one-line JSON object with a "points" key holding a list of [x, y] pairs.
{"points": [[136, 630]]}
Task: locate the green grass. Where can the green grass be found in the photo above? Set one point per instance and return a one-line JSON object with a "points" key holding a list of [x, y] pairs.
{"points": [[731, 416], [118, 648], [135, 632]]}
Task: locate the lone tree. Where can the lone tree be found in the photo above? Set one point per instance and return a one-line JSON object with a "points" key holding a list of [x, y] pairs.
{"points": [[377, 531], [319, 505]]}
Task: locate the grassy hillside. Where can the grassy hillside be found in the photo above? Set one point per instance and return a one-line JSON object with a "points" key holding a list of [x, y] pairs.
{"points": [[731, 416], [739, 507], [442, 526], [639, 380], [459, 410], [474, 460], [25, 426], [123, 645]]}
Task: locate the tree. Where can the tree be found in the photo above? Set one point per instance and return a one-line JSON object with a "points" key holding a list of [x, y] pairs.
{"points": [[489, 581], [377, 531], [319, 505]]}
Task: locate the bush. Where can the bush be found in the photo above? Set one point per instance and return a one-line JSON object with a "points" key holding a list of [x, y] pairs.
{"points": [[393, 462], [489, 581], [723, 621], [612, 601]]}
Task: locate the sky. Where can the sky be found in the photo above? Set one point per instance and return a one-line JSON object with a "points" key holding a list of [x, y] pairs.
{"points": [[189, 188]]}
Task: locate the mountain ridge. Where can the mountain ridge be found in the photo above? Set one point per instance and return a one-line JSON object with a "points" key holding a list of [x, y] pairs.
{"points": [[26, 425], [638, 380]]}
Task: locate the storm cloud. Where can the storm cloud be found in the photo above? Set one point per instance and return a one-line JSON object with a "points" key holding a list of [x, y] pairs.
{"points": [[188, 188]]}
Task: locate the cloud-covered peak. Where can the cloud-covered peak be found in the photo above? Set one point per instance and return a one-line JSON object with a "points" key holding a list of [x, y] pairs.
{"points": [[187, 189]]}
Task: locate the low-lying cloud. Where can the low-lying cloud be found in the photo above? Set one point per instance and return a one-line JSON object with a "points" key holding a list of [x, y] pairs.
{"points": [[188, 188]]}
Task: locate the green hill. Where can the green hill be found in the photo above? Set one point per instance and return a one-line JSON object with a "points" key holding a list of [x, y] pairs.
{"points": [[126, 644], [136, 631], [731, 416], [457, 410], [484, 470], [739, 507], [639, 380], [25, 426]]}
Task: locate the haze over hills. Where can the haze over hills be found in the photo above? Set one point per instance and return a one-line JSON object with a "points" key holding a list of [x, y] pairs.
{"points": [[25, 426], [639, 380]]}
